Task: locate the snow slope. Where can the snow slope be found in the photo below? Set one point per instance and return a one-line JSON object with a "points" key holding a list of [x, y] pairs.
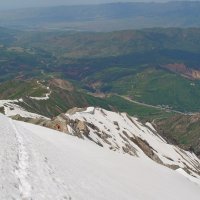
{"points": [[125, 134], [42, 164]]}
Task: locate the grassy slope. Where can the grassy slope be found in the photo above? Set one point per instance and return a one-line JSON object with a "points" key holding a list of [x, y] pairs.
{"points": [[62, 99], [17, 89], [183, 130], [158, 87]]}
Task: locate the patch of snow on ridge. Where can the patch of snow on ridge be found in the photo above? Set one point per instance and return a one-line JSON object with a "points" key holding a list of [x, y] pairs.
{"points": [[42, 98], [150, 126], [89, 110], [46, 96], [71, 131]]}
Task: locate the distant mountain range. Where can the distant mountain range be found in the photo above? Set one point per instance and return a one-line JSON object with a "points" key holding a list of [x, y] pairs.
{"points": [[106, 17]]}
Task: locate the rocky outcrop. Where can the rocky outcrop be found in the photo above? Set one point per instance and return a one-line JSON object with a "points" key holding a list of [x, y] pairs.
{"points": [[74, 110], [147, 149], [62, 84], [182, 69]]}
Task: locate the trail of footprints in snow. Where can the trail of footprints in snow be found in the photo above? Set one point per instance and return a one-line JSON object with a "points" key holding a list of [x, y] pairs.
{"points": [[22, 168], [59, 184]]}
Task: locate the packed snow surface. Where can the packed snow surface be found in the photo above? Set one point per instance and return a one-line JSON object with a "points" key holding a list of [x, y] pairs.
{"points": [[42, 164]]}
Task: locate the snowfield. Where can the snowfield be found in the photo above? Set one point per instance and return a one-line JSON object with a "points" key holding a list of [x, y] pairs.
{"points": [[37, 163]]}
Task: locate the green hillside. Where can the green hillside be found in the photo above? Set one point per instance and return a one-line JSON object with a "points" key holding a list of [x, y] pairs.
{"points": [[62, 99], [154, 86], [128, 63], [182, 130]]}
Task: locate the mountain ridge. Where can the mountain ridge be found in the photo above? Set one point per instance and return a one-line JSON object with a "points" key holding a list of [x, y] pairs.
{"points": [[121, 133], [43, 157]]}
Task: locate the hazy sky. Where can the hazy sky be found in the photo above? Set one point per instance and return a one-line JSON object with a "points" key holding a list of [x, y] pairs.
{"points": [[7, 4]]}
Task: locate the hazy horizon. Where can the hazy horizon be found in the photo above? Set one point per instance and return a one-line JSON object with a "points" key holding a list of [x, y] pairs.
{"points": [[15, 4]]}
